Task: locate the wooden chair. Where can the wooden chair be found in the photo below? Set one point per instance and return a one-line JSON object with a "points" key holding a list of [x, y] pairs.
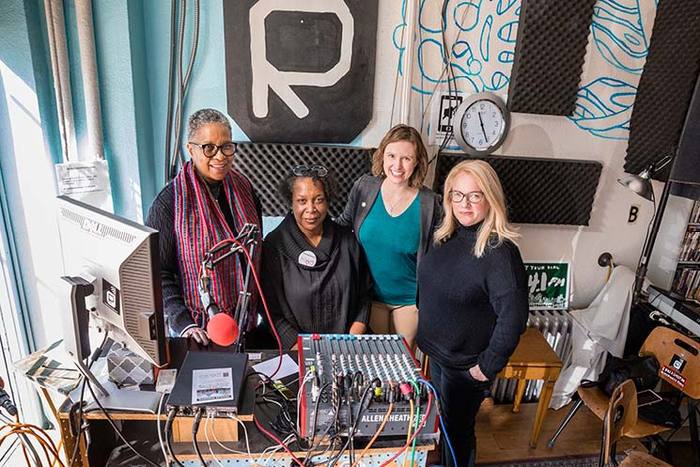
{"points": [[666, 345], [620, 419]]}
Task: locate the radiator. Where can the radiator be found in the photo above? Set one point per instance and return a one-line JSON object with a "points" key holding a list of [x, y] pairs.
{"points": [[556, 328]]}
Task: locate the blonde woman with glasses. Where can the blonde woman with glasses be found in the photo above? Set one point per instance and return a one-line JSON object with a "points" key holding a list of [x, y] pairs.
{"points": [[473, 299], [394, 217]]}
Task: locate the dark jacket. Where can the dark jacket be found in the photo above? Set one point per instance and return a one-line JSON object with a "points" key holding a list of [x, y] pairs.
{"points": [[325, 294], [471, 310], [365, 191]]}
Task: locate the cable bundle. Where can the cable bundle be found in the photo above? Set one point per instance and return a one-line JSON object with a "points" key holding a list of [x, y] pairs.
{"points": [[26, 432]]}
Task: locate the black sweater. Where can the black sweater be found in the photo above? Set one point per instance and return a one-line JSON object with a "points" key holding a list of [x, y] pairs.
{"points": [[161, 216], [326, 297], [471, 310]]}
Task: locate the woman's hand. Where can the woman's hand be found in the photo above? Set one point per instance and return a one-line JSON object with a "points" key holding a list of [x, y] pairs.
{"points": [[476, 373], [198, 334], [358, 328]]}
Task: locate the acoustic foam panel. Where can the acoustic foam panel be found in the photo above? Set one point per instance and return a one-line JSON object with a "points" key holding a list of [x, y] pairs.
{"points": [[666, 85], [267, 164], [538, 191], [686, 166], [549, 55]]}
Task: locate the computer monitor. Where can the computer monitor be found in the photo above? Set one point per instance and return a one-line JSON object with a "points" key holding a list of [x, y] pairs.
{"points": [[115, 263]]}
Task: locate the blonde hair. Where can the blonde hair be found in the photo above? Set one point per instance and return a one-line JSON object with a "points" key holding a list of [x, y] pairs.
{"points": [[403, 133], [495, 227]]}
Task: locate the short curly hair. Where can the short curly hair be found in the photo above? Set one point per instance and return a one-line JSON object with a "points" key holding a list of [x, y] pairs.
{"points": [[204, 117], [286, 186]]}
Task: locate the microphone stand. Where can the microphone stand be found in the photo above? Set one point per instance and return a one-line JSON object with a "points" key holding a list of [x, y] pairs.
{"points": [[246, 239]]}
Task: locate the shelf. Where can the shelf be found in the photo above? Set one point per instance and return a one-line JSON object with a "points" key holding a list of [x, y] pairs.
{"points": [[688, 263]]}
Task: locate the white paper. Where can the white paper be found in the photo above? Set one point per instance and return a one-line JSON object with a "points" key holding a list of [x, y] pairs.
{"points": [[212, 385], [87, 182], [289, 367]]}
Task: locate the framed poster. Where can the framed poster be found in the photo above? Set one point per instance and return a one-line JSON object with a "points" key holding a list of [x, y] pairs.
{"points": [[548, 285]]}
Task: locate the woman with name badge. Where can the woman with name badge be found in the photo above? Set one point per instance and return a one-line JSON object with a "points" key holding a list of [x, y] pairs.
{"points": [[315, 277]]}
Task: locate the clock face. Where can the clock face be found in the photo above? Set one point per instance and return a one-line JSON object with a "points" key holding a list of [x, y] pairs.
{"points": [[483, 125]]}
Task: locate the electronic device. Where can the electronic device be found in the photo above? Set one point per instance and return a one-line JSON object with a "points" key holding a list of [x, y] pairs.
{"points": [[209, 379], [347, 375], [682, 312], [647, 397], [481, 123], [112, 275]]}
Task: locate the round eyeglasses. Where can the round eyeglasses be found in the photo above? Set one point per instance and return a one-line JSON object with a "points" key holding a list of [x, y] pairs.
{"points": [[473, 197], [210, 150], [316, 170]]}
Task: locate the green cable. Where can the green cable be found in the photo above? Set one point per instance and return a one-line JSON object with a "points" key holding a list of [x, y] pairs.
{"points": [[417, 422]]}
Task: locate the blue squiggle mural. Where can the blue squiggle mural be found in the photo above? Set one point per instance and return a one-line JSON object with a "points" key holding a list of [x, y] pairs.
{"points": [[496, 32], [619, 35], [603, 108], [482, 52]]}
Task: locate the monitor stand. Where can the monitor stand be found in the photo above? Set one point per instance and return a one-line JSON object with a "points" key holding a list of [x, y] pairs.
{"points": [[120, 400], [77, 343]]}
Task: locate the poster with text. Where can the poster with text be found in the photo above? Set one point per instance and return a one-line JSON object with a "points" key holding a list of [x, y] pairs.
{"points": [[548, 285]]}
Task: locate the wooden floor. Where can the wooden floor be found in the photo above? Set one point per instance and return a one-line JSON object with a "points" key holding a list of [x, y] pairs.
{"points": [[502, 436]]}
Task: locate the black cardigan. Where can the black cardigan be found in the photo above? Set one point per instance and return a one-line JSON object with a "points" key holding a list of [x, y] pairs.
{"points": [[471, 310], [365, 191], [326, 297]]}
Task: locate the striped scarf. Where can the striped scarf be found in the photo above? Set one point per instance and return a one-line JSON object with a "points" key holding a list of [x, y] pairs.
{"points": [[199, 225]]}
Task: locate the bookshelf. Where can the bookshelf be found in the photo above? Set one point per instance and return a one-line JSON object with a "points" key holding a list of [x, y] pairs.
{"points": [[686, 280]]}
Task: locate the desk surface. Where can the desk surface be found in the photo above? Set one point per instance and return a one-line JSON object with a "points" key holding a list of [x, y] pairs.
{"points": [[258, 442], [178, 349], [533, 350]]}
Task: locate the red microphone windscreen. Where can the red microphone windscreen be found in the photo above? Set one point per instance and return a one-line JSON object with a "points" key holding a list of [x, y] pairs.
{"points": [[222, 329]]}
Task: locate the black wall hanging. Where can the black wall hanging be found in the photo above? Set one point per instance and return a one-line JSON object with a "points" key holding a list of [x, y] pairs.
{"points": [[666, 85], [266, 165], [549, 55], [300, 73]]}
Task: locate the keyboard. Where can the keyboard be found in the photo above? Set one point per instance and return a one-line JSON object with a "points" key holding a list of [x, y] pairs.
{"points": [[684, 313]]}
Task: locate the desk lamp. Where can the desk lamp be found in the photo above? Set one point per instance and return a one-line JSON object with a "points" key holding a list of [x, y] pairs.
{"points": [[641, 184]]}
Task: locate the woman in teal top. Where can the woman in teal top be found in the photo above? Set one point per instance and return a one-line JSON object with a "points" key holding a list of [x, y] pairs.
{"points": [[394, 216]]}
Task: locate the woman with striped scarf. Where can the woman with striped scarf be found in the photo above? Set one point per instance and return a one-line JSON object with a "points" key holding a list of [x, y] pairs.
{"points": [[208, 201]]}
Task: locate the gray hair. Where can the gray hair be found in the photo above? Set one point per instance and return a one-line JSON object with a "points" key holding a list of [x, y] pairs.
{"points": [[205, 117]]}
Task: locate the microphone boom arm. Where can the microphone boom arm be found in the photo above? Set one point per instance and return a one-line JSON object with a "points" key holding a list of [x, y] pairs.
{"points": [[245, 240]]}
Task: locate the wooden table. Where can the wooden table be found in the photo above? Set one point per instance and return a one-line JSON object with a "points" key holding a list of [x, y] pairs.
{"points": [[533, 359], [224, 429]]}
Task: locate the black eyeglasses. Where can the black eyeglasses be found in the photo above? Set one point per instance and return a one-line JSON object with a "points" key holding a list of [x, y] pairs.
{"points": [[316, 170], [210, 150], [474, 197]]}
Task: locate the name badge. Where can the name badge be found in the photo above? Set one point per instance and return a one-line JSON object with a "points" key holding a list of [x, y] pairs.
{"points": [[307, 258]]}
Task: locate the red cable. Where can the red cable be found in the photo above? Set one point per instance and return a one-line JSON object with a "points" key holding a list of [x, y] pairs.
{"points": [[277, 440], [264, 302], [420, 427]]}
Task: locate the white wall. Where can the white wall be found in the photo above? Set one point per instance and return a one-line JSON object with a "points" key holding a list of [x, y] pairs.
{"points": [[601, 134]]}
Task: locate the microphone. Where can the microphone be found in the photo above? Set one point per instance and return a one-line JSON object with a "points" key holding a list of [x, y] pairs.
{"points": [[5, 400], [208, 303], [222, 329]]}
